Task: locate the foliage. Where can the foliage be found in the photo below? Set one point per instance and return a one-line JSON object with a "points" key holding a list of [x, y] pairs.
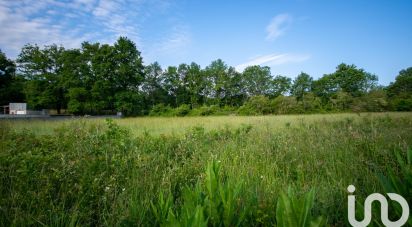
{"points": [[257, 80], [400, 91], [399, 180], [182, 110], [103, 78], [294, 211], [286, 105], [256, 105], [11, 87], [302, 84], [98, 173], [129, 103], [161, 110]]}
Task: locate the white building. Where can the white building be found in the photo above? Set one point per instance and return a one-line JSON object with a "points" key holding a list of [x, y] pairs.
{"points": [[18, 108]]}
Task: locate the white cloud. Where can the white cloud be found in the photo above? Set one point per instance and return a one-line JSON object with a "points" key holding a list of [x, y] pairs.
{"points": [[39, 22], [176, 40], [278, 26], [70, 23], [176, 43], [273, 59]]}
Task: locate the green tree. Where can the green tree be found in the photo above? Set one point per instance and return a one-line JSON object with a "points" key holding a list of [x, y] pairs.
{"points": [[347, 79], [354, 81], [400, 91], [152, 86], [42, 69], [256, 105], [257, 80], [77, 100], [130, 103], [280, 86], [11, 86], [195, 84], [302, 84], [128, 65], [219, 77], [104, 71], [402, 86], [172, 84]]}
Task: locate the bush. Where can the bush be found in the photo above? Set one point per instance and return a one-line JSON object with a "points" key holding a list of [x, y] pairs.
{"points": [[77, 97], [256, 105], [129, 103], [203, 111], [402, 104], [75, 176], [399, 181], [221, 201], [161, 110], [286, 105], [182, 110]]}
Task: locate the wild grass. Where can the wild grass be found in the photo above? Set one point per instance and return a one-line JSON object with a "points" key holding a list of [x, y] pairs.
{"points": [[214, 171], [179, 125]]}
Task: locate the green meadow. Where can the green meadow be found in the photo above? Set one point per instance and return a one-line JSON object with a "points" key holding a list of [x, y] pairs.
{"points": [[284, 170], [180, 125]]}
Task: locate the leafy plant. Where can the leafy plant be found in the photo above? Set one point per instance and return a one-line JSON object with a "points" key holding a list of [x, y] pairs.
{"points": [[400, 181], [162, 208], [295, 212]]}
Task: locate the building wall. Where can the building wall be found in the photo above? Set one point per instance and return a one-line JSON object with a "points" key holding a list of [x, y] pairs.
{"points": [[18, 108]]}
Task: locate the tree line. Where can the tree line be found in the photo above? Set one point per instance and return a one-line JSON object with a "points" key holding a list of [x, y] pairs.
{"points": [[103, 79]]}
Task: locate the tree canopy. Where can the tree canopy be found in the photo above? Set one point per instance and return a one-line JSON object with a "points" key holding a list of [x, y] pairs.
{"points": [[102, 79]]}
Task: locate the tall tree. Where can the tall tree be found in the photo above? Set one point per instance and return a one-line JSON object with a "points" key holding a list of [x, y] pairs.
{"points": [[172, 84], [218, 77], [11, 87], [195, 83], [400, 91], [257, 80], [152, 86], [347, 78], [302, 84], [354, 81], [128, 65], [42, 68], [325, 87], [402, 86], [280, 86]]}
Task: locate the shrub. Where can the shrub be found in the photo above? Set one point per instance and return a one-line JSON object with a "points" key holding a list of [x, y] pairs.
{"points": [[294, 211], [221, 201], [399, 181], [72, 177], [129, 103], [203, 111], [286, 105], [161, 110], [182, 110], [256, 105]]}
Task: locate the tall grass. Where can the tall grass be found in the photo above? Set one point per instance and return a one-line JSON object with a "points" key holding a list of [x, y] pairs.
{"points": [[250, 174], [180, 125]]}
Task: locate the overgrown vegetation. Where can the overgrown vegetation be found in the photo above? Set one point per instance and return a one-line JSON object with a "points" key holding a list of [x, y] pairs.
{"points": [[87, 173], [102, 79]]}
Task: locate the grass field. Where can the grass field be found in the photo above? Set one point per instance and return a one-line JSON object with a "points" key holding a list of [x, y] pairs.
{"points": [[179, 125], [196, 171]]}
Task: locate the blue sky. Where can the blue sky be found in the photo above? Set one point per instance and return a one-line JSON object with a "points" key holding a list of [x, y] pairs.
{"points": [[289, 36]]}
